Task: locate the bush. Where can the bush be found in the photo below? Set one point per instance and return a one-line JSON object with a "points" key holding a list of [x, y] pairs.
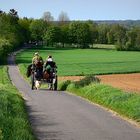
{"points": [[5, 46], [1, 135], [63, 85], [86, 81]]}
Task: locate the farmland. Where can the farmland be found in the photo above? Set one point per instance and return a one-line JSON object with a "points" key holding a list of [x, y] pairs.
{"points": [[85, 61]]}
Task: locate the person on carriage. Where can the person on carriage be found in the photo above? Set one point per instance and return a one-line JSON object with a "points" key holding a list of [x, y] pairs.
{"points": [[49, 64], [37, 60], [37, 64]]}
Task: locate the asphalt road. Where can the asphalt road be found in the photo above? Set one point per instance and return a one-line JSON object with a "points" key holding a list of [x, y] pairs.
{"points": [[56, 115]]}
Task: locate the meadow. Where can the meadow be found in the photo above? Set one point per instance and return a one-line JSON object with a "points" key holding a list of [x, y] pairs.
{"points": [[72, 61]]}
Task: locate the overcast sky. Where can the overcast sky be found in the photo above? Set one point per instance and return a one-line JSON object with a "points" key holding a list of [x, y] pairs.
{"points": [[76, 9]]}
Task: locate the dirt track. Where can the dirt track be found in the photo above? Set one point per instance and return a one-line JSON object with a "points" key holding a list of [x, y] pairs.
{"points": [[127, 82]]}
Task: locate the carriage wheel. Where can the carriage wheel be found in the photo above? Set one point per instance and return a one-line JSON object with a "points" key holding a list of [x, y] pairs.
{"points": [[55, 84], [32, 81]]}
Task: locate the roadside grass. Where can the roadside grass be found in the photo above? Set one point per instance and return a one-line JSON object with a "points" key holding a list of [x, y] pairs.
{"points": [[125, 104], [73, 61], [14, 124]]}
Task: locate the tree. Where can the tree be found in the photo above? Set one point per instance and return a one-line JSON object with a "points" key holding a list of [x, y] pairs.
{"points": [[63, 17], [133, 42], [1, 11], [11, 35], [13, 13], [47, 17], [38, 29], [120, 37], [93, 27], [25, 24], [64, 34], [80, 33], [102, 33], [52, 35]]}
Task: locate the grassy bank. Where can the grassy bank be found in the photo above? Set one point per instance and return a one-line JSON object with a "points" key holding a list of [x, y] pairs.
{"points": [[72, 61], [14, 123], [126, 104]]}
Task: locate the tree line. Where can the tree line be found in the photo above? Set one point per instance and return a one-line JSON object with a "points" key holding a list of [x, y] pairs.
{"points": [[14, 31]]}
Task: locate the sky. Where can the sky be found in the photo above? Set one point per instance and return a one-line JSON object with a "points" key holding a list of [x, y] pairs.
{"points": [[76, 9]]}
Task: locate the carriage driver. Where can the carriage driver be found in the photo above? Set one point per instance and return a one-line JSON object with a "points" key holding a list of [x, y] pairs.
{"points": [[37, 58], [37, 65]]}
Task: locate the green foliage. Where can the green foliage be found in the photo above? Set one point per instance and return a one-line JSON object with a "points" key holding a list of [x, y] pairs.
{"points": [[1, 136], [102, 33], [80, 33], [133, 36], [11, 35], [86, 81], [52, 35], [5, 46], [25, 24], [14, 123], [63, 85], [64, 38], [38, 29]]}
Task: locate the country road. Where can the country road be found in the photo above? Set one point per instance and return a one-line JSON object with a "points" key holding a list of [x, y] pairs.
{"points": [[56, 115]]}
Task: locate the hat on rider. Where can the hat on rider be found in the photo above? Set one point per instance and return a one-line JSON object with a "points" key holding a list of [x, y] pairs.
{"points": [[49, 58]]}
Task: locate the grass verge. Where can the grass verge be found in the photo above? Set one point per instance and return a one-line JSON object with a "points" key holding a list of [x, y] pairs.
{"points": [[14, 124], [126, 104]]}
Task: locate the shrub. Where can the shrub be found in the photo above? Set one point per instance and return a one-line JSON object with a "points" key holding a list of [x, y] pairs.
{"points": [[1, 135], [63, 85], [5, 46], [86, 81]]}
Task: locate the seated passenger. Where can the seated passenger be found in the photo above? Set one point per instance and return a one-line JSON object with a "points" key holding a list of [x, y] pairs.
{"points": [[49, 64]]}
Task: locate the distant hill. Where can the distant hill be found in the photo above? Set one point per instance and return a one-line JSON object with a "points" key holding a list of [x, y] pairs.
{"points": [[127, 23]]}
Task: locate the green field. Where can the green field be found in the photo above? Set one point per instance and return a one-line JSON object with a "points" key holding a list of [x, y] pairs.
{"points": [[72, 61]]}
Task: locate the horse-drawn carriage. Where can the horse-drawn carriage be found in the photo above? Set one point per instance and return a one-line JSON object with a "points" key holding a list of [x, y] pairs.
{"points": [[38, 76]]}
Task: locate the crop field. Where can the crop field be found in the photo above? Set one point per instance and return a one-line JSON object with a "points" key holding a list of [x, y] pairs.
{"points": [[72, 61]]}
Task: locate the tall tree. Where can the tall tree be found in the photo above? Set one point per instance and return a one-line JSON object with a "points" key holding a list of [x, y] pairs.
{"points": [[63, 17], [133, 42], [102, 31], [80, 33], [13, 12], [64, 34], [47, 17], [38, 29], [25, 24], [93, 31], [52, 35]]}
